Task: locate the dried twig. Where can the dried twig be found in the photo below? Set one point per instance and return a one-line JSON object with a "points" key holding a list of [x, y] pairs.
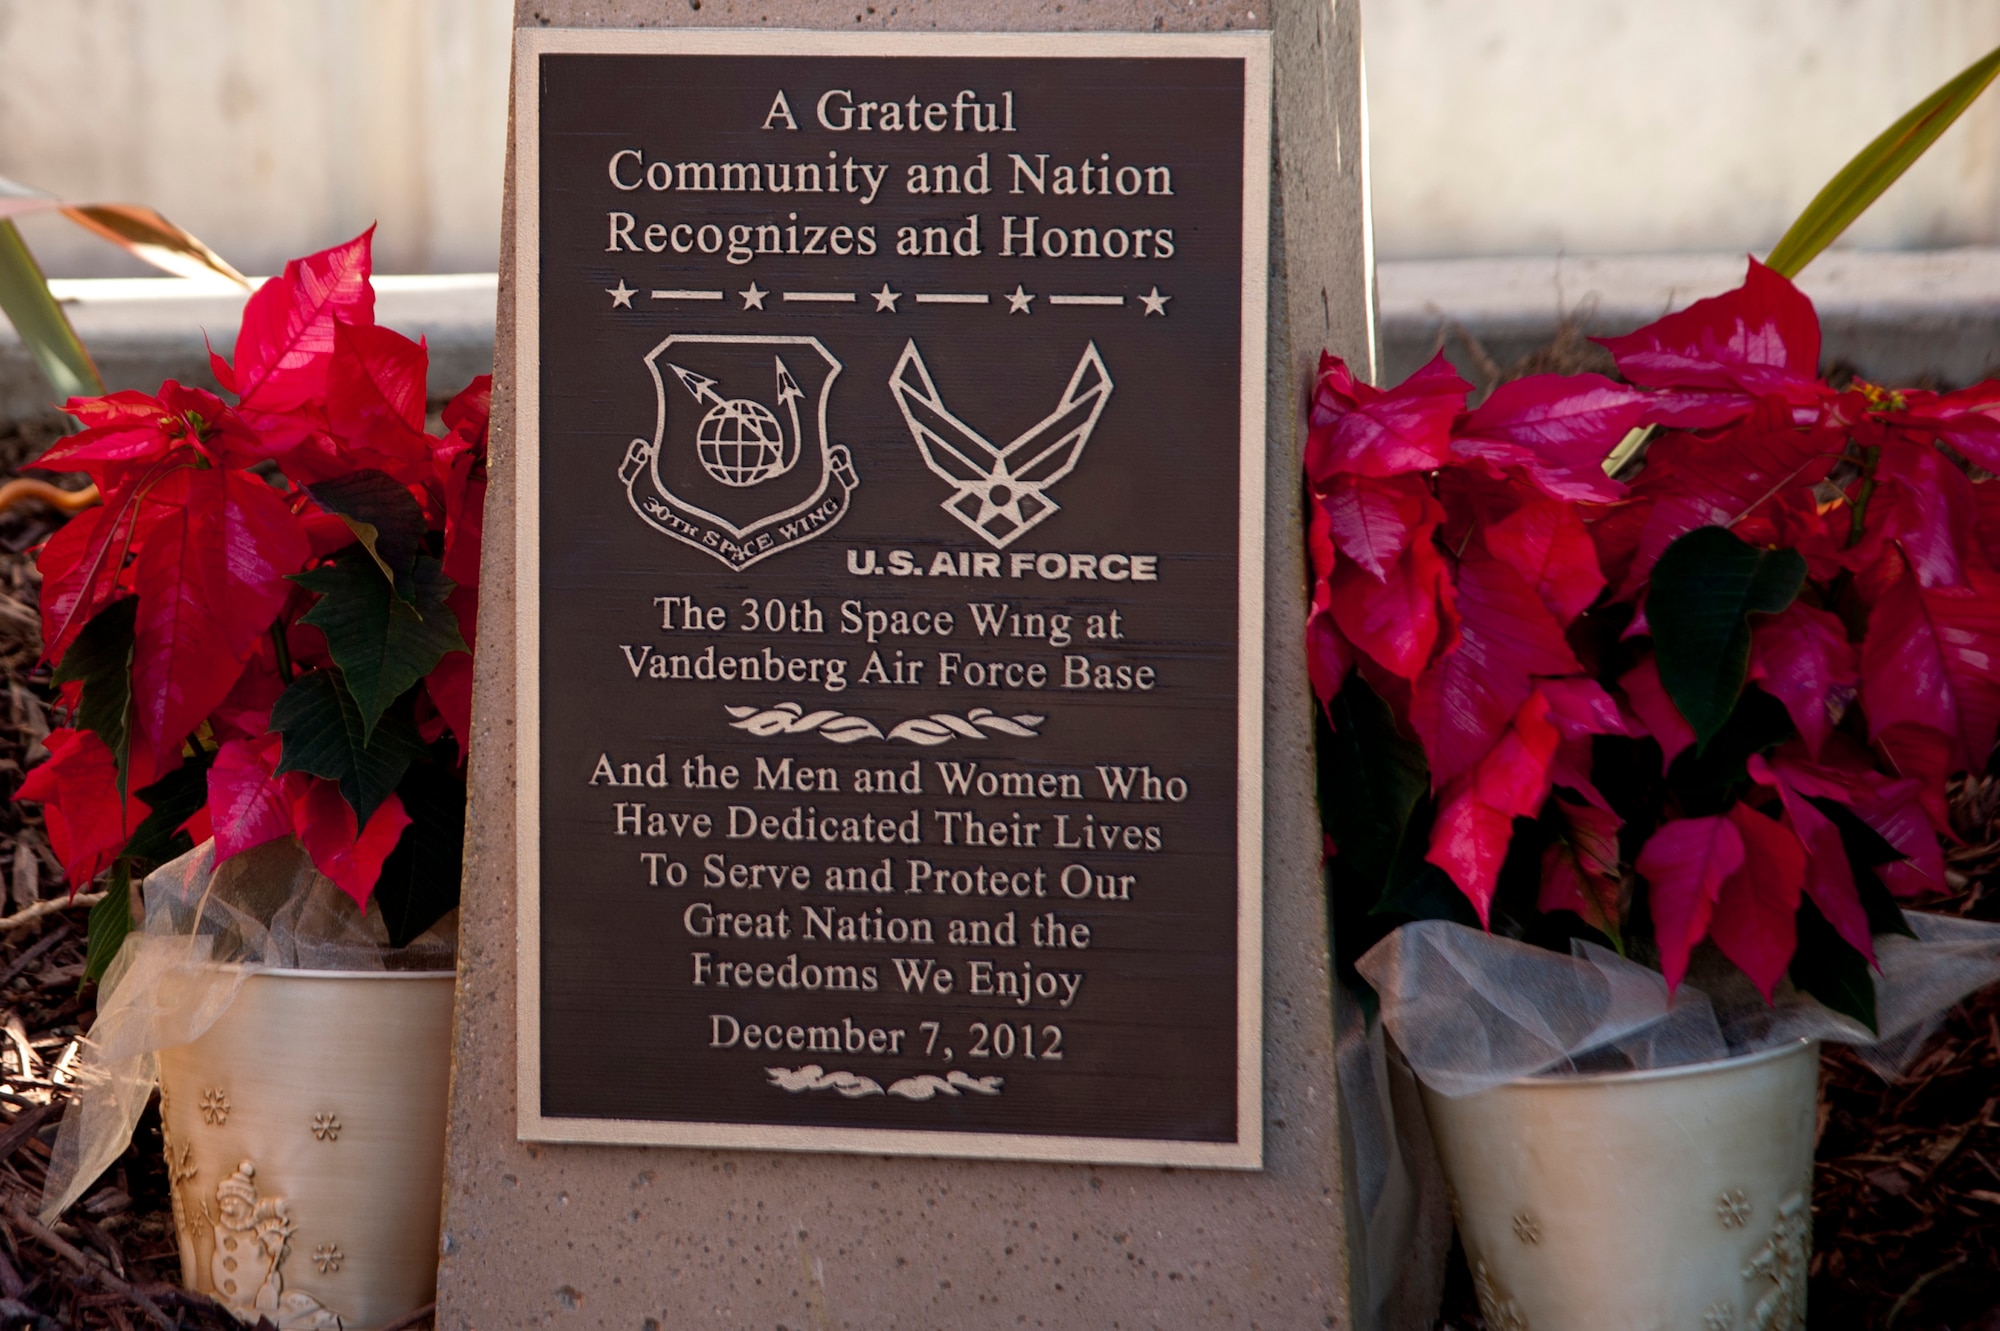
{"points": [[11, 1284], [43, 909], [100, 1240], [34, 952], [21, 1129], [96, 1270], [1916, 1287]]}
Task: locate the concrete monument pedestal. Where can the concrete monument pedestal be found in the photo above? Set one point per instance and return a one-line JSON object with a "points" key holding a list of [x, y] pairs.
{"points": [[648, 1238]]}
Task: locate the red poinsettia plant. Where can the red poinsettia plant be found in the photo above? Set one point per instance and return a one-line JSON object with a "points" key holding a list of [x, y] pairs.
{"points": [[1685, 657], [264, 630]]}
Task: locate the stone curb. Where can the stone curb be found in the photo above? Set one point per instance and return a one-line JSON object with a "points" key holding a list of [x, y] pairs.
{"points": [[1901, 318], [145, 330], [1927, 318]]}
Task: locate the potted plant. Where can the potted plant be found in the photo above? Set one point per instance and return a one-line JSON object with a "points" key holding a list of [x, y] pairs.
{"points": [[262, 641], [1640, 699], [1702, 716]]}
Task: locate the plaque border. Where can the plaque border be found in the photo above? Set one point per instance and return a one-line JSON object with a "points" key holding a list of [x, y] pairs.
{"points": [[1253, 47]]}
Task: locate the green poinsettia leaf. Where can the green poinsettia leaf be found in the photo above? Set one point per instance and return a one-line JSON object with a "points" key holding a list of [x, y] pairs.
{"points": [[323, 735], [1704, 589], [1420, 890], [171, 801], [1827, 967], [382, 642], [1708, 780], [1370, 780], [101, 657], [419, 882], [110, 921], [1867, 850], [383, 516]]}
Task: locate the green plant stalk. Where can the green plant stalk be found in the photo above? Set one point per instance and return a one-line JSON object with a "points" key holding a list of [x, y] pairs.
{"points": [[1629, 447], [1870, 456], [1878, 166], [284, 651], [41, 323]]}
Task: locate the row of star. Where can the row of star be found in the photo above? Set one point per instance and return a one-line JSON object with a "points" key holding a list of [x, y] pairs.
{"points": [[1019, 300]]}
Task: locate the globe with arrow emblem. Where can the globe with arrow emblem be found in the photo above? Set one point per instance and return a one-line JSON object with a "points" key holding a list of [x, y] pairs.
{"points": [[740, 442]]}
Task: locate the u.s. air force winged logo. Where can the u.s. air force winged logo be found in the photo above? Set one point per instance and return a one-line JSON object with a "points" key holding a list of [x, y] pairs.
{"points": [[737, 476], [1001, 492]]}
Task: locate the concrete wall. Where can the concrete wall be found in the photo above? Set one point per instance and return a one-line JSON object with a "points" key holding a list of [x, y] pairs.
{"points": [[1498, 126], [1624, 126], [269, 129]]}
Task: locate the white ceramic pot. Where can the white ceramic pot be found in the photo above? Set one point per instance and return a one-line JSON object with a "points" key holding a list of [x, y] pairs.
{"points": [[305, 1142], [1669, 1200]]}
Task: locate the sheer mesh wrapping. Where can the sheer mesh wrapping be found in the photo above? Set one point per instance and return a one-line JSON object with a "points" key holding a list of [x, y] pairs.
{"points": [[1385, 1194], [1471, 1010], [206, 931]]}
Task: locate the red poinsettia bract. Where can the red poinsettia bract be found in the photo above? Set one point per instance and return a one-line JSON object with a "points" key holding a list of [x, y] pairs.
{"points": [[233, 625], [1731, 684]]}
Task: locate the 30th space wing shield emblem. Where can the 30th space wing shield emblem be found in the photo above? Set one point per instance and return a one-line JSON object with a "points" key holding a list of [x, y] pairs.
{"points": [[1001, 492], [733, 472]]}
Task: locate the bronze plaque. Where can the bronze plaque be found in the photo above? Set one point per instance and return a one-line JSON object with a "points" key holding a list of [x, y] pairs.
{"points": [[891, 430]]}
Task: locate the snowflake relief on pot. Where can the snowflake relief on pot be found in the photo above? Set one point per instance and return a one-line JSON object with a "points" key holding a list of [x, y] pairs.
{"points": [[326, 1127], [1777, 1270], [215, 1106], [1732, 1208], [252, 1239]]}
